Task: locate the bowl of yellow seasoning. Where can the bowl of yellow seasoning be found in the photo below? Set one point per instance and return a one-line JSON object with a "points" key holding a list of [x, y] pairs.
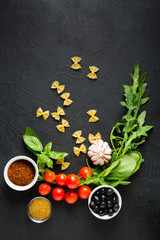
{"points": [[39, 209]]}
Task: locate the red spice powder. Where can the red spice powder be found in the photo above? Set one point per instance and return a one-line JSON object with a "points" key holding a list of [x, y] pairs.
{"points": [[21, 172]]}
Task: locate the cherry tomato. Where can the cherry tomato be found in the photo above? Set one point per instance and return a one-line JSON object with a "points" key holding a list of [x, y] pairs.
{"points": [[49, 177], [72, 181], [84, 192], [61, 179], [71, 196], [44, 189], [58, 193], [84, 171]]}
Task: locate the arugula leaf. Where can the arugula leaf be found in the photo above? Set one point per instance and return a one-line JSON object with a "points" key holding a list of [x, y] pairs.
{"points": [[48, 147], [56, 155]]}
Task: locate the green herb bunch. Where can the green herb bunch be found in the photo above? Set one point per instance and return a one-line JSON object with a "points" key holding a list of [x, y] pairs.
{"points": [[126, 136], [44, 156]]}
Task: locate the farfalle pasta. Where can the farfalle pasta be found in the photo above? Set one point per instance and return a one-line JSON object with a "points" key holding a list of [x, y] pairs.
{"points": [[76, 64], [92, 113], [77, 135], [40, 113], [60, 88], [56, 115], [92, 74], [67, 101], [61, 127], [77, 150], [64, 165], [92, 138]]}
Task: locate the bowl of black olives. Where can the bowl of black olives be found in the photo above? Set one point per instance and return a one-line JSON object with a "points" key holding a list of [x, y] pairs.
{"points": [[105, 202]]}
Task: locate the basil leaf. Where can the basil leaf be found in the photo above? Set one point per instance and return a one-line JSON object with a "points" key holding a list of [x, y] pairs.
{"points": [[30, 132], [115, 183], [109, 169], [48, 147], [57, 155], [125, 167], [33, 143], [43, 159]]}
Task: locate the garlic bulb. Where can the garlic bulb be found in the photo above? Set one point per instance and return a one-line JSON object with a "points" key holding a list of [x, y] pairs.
{"points": [[99, 152]]}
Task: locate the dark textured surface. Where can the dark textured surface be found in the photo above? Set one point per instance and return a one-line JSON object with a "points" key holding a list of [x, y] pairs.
{"points": [[37, 39]]}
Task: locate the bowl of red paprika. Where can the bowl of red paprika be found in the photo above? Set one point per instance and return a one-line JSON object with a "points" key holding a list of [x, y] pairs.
{"points": [[21, 173]]}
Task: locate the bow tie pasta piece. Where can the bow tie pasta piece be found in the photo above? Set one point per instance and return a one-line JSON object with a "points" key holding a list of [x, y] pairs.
{"points": [[77, 134], [92, 138], [80, 140], [92, 113], [40, 113], [61, 127], [67, 101], [60, 88], [77, 150], [64, 165], [76, 64], [93, 119], [93, 70], [56, 115]]}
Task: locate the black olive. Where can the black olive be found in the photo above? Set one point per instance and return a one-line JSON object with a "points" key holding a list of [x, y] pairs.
{"points": [[110, 211], [101, 213], [106, 211], [115, 199], [96, 209], [97, 193], [96, 199], [109, 204], [109, 191], [115, 207], [102, 205], [92, 205], [102, 190], [103, 197]]}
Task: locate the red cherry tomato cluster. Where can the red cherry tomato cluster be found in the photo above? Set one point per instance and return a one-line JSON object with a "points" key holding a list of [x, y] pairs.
{"points": [[71, 181]]}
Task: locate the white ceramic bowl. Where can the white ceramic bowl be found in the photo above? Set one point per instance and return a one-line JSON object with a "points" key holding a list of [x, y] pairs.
{"points": [[105, 217], [12, 185]]}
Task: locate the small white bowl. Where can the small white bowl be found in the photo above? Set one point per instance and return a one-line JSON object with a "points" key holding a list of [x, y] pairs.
{"points": [[14, 186], [105, 217]]}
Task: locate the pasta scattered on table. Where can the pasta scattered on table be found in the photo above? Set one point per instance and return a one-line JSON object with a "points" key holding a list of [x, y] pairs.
{"points": [[92, 138], [92, 74], [64, 165], [40, 113], [56, 115], [76, 64], [77, 150], [92, 113], [67, 101], [61, 127], [77, 135], [60, 88]]}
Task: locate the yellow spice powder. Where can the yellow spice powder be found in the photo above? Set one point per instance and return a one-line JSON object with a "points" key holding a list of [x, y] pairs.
{"points": [[40, 208]]}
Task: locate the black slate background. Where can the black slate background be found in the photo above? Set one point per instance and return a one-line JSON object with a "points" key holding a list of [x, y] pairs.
{"points": [[37, 39]]}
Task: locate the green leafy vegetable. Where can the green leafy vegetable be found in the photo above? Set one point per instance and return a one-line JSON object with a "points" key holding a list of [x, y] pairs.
{"points": [[34, 144], [125, 137]]}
